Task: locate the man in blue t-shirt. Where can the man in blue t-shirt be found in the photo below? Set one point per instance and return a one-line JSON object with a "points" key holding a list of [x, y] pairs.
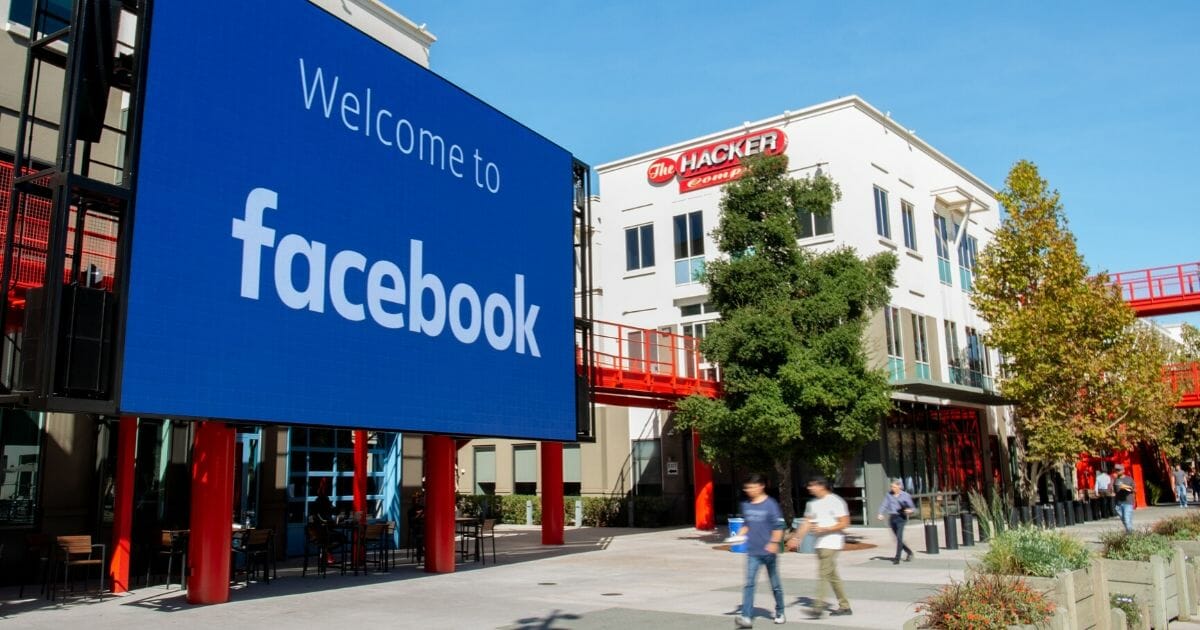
{"points": [[763, 530]]}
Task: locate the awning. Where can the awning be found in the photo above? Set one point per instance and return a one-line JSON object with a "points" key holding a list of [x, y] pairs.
{"points": [[948, 392]]}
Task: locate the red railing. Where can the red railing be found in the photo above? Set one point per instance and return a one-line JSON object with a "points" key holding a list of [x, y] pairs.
{"points": [[31, 236], [644, 367], [1184, 379], [1162, 290]]}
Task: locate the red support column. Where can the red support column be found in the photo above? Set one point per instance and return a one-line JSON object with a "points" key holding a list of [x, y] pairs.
{"points": [[703, 487], [439, 504], [1139, 496], [360, 474], [211, 532], [118, 566], [552, 493], [360, 492]]}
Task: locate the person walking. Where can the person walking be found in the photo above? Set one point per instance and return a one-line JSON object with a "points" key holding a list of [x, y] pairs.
{"points": [[896, 506], [1181, 485], [763, 529], [826, 518], [1103, 489], [1123, 488]]}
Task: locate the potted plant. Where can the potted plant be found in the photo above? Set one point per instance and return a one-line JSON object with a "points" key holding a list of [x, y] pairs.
{"points": [[1057, 564], [987, 602], [1146, 565]]}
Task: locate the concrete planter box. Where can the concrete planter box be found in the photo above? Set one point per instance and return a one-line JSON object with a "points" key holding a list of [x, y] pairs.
{"points": [[1156, 584], [1189, 550], [1081, 595]]}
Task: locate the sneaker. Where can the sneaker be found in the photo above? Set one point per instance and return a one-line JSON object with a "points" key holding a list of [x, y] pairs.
{"points": [[742, 622], [841, 612], [908, 558], [780, 619]]}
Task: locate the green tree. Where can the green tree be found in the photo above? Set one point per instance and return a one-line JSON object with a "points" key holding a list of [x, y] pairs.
{"points": [[1084, 376], [1187, 421], [790, 339]]}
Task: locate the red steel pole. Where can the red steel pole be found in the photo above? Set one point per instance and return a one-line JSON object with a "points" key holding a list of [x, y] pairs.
{"points": [[439, 504], [118, 566], [360, 474], [552, 493], [703, 487], [211, 534]]}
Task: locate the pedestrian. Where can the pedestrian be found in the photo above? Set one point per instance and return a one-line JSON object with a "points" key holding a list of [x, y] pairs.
{"points": [[1194, 479], [896, 506], [1180, 477], [1103, 483], [1123, 488], [763, 529], [826, 518]]}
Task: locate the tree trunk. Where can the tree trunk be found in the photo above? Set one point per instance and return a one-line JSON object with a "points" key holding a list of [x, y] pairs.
{"points": [[783, 468]]}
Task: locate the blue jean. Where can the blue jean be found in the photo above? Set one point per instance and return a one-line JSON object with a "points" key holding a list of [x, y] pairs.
{"points": [[1125, 511], [1181, 492], [752, 564]]}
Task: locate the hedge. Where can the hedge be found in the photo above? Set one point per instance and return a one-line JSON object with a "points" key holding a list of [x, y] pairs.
{"points": [[597, 511]]}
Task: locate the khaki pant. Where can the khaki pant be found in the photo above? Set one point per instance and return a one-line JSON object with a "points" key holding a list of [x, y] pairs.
{"points": [[829, 578]]}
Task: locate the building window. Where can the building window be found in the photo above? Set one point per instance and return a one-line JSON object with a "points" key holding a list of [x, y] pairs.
{"points": [[485, 470], [967, 251], [883, 226], [525, 469], [908, 218], [942, 238], [692, 310], [57, 14], [639, 247], [891, 319], [953, 356], [979, 367], [694, 364], [321, 461], [689, 247], [815, 224], [920, 346], [20, 461], [647, 467], [572, 470]]}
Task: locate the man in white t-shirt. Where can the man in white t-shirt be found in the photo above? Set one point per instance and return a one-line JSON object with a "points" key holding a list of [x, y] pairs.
{"points": [[826, 517]]}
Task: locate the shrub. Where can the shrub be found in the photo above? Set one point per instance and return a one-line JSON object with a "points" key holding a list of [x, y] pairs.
{"points": [[1034, 552], [993, 518], [1128, 604], [985, 602], [1138, 546], [602, 511], [1179, 527]]}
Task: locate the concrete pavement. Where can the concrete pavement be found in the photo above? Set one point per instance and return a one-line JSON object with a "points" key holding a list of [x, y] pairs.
{"points": [[602, 578]]}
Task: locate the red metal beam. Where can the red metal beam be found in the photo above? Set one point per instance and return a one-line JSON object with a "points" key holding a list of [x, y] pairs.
{"points": [[210, 536], [118, 568], [552, 493]]}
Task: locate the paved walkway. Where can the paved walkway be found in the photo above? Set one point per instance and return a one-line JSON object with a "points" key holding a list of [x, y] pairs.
{"points": [[602, 578]]}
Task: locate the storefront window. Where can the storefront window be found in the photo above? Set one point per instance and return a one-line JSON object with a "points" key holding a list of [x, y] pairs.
{"points": [[20, 461]]}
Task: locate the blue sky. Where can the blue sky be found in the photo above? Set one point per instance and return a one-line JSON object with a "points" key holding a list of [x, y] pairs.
{"points": [[1105, 98]]}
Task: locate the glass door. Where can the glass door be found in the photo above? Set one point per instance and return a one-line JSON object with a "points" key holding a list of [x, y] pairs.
{"points": [[248, 461]]}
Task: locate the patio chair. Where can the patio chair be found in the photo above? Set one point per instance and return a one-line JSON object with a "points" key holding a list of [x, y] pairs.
{"points": [[319, 545], [256, 552], [36, 560], [171, 544], [79, 552], [487, 530], [374, 540]]}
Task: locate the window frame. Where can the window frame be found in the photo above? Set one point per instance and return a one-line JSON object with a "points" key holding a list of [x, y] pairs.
{"points": [[643, 241], [894, 339], [689, 252], [920, 345], [942, 242], [883, 223], [908, 220]]}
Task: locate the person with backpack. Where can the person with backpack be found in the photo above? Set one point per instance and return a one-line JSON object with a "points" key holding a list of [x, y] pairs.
{"points": [[763, 529]]}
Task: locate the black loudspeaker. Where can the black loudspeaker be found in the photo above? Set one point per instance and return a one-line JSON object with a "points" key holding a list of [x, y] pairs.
{"points": [[83, 365], [99, 45], [584, 429]]}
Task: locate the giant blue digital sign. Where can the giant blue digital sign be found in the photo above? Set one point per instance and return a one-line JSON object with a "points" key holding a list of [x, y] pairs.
{"points": [[327, 233]]}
